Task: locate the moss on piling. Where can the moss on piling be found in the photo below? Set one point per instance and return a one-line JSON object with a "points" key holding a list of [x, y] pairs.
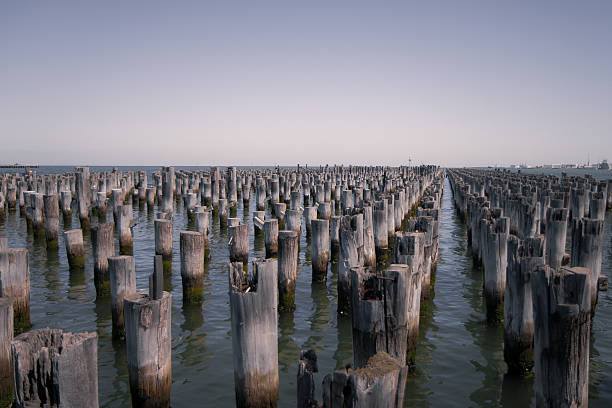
{"points": [[286, 302], [103, 288]]}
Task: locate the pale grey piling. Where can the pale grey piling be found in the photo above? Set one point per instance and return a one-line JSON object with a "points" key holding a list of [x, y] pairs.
{"points": [[103, 248], [202, 224], [223, 212], [348, 258], [320, 249], [408, 250], [279, 213], [6, 361], [274, 191], [287, 269], [122, 272], [293, 221], [192, 266], [232, 222], [51, 220], [381, 383], [390, 216], [167, 189], [254, 321], [369, 246], [117, 200], [494, 256], [150, 196], [75, 250], [597, 206], [3, 243], [310, 213], [334, 233], [164, 240], [562, 317], [83, 198], [148, 340], [101, 204], [324, 211], [271, 237], [38, 212], [381, 237], [246, 194], [66, 198], [307, 367], [379, 308], [56, 369], [239, 243], [524, 257], [587, 251], [124, 229], [556, 233], [260, 194], [259, 218]]}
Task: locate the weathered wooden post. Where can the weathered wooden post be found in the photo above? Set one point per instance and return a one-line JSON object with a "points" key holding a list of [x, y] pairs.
{"points": [[379, 313], [587, 251], [381, 383], [6, 361], [369, 246], [239, 244], [148, 340], [310, 213], [151, 192], [556, 233], [293, 221], [223, 212], [253, 304], [75, 250], [83, 198], [271, 237], [495, 260], [260, 194], [167, 189], [562, 317], [287, 269], [348, 258], [259, 218], [202, 224], [381, 238], [51, 220], [56, 369], [192, 266], [38, 215], [124, 227], [103, 248], [524, 257], [307, 367], [320, 249], [122, 283], [334, 234], [66, 198], [163, 242], [324, 211]]}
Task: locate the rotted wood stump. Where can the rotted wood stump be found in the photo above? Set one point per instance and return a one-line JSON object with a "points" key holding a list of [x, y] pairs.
{"points": [[148, 342], [562, 316], [320, 249], [381, 383], [348, 258], [56, 369], [122, 283], [124, 227], [202, 224], [15, 285], [192, 266], [379, 313], [495, 260], [271, 237], [307, 367], [75, 250], [524, 257], [103, 248], [587, 251], [51, 220], [253, 304], [6, 361], [287, 269], [239, 244], [556, 233], [164, 242]]}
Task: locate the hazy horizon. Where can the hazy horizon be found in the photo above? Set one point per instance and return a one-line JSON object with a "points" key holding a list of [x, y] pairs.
{"points": [[450, 83]]}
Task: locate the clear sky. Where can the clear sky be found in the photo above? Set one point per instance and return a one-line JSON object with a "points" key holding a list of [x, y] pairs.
{"points": [[264, 83]]}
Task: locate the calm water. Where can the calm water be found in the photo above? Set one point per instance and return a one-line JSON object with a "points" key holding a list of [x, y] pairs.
{"points": [[459, 359]]}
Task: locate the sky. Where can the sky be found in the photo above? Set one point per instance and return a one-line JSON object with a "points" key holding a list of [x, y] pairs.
{"points": [[453, 83]]}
